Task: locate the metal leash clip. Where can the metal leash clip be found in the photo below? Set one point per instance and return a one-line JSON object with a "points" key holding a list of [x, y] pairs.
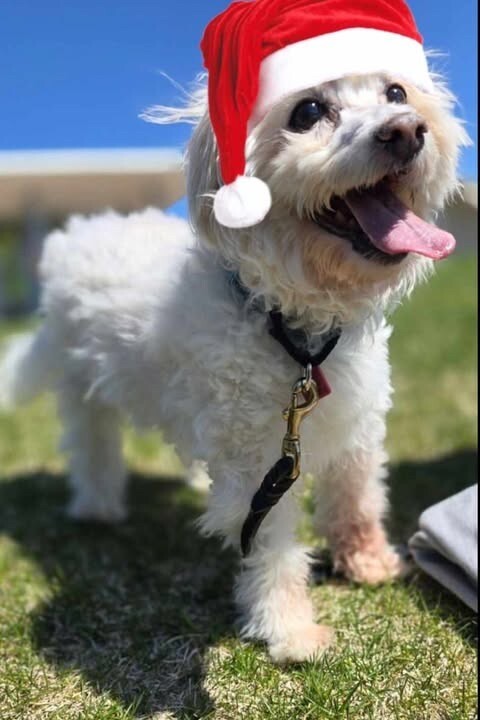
{"points": [[305, 388]]}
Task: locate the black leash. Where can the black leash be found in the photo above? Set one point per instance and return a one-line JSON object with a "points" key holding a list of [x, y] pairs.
{"points": [[275, 484]]}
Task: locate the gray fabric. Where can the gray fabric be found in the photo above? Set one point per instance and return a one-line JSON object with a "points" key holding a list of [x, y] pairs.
{"points": [[445, 545]]}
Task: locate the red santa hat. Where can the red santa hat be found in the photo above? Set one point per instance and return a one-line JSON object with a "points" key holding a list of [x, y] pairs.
{"points": [[258, 52]]}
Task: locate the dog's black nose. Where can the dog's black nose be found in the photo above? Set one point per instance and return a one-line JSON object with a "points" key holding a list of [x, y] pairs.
{"points": [[402, 137]]}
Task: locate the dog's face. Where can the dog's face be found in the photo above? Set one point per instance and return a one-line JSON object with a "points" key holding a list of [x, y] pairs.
{"points": [[325, 153]]}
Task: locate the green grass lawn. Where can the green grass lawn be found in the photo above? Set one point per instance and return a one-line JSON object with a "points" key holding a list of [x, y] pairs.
{"points": [[137, 621]]}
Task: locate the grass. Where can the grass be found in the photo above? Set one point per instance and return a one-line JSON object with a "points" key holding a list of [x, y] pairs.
{"points": [[136, 621]]}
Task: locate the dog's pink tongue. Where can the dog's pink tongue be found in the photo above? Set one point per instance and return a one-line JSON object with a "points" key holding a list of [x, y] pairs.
{"points": [[393, 228]]}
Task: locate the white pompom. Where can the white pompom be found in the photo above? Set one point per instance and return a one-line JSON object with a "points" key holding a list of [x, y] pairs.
{"points": [[243, 203]]}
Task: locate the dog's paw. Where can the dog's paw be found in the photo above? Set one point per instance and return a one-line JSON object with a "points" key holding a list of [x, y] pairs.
{"points": [[306, 643], [83, 508], [372, 568]]}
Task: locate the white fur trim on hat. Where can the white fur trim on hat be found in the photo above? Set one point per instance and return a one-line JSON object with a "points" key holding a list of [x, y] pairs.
{"points": [[243, 203], [354, 51]]}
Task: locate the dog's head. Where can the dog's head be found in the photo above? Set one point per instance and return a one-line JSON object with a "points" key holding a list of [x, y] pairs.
{"points": [[341, 160]]}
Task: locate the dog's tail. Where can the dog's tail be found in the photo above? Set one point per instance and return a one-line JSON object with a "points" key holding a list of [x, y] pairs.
{"points": [[27, 365]]}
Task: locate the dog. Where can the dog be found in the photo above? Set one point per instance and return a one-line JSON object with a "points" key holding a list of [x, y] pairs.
{"points": [[149, 318]]}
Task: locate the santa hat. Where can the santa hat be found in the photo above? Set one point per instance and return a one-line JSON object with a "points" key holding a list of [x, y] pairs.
{"points": [[258, 52]]}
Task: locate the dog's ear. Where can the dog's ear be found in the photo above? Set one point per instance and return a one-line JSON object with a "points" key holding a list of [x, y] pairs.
{"points": [[203, 180]]}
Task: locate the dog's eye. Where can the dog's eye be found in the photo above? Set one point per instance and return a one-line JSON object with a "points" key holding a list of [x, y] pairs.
{"points": [[396, 94], [306, 115]]}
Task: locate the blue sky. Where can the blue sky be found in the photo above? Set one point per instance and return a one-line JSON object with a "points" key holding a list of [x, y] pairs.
{"points": [[77, 74]]}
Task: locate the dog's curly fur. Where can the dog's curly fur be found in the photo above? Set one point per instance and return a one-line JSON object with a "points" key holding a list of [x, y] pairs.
{"points": [[140, 319]]}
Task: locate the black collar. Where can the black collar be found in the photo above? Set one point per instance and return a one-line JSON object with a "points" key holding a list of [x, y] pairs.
{"points": [[295, 341]]}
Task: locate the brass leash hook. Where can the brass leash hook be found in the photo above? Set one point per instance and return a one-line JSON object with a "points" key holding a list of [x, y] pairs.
{"points": [[294, 414]]}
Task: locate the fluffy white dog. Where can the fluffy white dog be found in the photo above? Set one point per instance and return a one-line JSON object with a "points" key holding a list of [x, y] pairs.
{"points": [[145, 318]]}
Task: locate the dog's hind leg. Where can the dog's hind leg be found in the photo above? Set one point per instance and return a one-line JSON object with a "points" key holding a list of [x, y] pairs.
{"points": [[351, 504], [92, 440]]}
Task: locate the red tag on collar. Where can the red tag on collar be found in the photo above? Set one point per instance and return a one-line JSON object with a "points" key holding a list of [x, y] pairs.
{"points": [[321, 381]]}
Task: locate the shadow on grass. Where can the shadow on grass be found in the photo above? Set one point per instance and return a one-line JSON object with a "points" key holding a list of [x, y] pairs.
{"points": [[135, 607], [415, 486]]}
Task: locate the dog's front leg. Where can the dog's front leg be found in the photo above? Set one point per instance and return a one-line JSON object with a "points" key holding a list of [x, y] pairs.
{"points": [[351, 504], [271, 591]]}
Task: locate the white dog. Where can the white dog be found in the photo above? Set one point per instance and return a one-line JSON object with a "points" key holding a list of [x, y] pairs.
{"points": [[146, 319]]}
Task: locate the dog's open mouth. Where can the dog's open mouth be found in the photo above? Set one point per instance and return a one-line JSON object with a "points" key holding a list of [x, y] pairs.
{"points": [[380, 227]]}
